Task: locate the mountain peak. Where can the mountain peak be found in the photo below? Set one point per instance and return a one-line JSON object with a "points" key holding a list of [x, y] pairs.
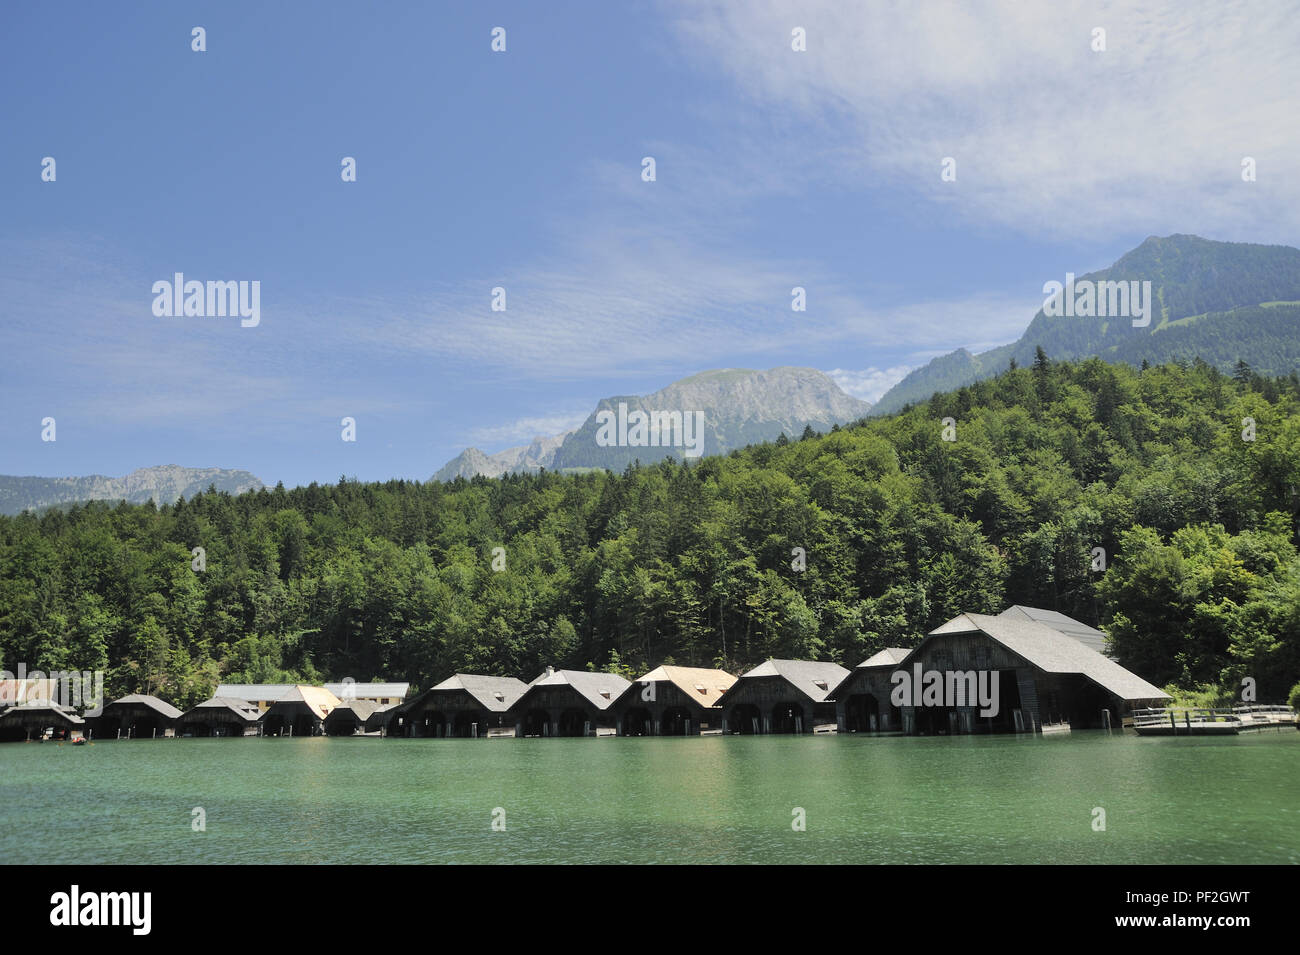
{"points": [[733, 407], [1200, 292], [160, 483]]}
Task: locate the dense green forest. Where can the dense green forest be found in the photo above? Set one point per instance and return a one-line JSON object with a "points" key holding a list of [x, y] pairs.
{"points": [[695, 564]]}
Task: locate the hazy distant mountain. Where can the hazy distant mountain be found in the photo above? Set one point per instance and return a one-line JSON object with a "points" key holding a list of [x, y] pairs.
{"points": [[527, 457], [1220, 301], [162, 485], [736, 407]]}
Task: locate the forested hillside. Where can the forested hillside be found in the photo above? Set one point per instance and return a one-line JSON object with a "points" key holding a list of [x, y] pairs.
{"points": [[1223, 302], [693, 563]]}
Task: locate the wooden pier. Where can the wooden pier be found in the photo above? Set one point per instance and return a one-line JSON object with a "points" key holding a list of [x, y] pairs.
{"points": [[1213, 722]]}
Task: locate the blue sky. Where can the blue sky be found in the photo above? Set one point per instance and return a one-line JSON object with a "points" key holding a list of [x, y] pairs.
{"points": [[522, 169]]}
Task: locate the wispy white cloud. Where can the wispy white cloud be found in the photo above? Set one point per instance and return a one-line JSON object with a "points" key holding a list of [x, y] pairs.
{"points": [[523, 430], [869, 383], [1050, 137]]}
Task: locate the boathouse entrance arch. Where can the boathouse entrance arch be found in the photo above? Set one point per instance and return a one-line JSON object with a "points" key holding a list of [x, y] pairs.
{"points": [[572, 722], [537, 723], [868, 713], [469, 724], [745, 719], [676, 721], [434, 724], [638, 722], [788, 718]]}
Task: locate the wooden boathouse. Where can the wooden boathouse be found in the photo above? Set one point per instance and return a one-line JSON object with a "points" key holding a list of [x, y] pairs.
{"points": [[672, 701], [134, 716], [568, 703], [465, 705], [1046, 680], [355, 717], [33, 719], [782, 696], [861, 705], [221, 716], [300, 712]]}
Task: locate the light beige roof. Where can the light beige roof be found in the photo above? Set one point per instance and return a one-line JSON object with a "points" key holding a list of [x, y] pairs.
{"points": [[13, 692], [699, 683]]}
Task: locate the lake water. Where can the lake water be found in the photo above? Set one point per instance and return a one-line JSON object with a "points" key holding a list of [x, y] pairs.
{"points": [[705, 799]]}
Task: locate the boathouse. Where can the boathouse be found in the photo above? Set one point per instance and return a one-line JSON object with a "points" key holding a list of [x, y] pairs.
{"points": [[301, 712], [782, 696], [465, 705], [267, 694], [862, 703], [134, 716], [985, 674], [353, 717], [672, 701], [568, 703], [221, 716], [33, 719]]}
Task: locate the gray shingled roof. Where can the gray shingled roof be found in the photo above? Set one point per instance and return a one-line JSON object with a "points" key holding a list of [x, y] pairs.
{"points": [[886, 657], [485, 689], [1089, 636], [600, 689], [345, 690], [1054, 652], [245, 709], [359, 709], [270, 692], [803, 675], [160, 706], [275, 692], [33, 707]]}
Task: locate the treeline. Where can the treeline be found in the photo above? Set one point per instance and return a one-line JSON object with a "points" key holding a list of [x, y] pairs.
{"points": [[825, 547]]}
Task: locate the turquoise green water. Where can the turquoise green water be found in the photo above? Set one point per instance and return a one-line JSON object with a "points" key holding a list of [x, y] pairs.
{"points": [[710, 799]]}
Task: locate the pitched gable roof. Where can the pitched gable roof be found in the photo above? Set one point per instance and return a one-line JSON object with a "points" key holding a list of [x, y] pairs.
{"points": [[316, 698], [1089, 636], [886, 657], [813, 679], [245, 709], [162, 707], [1054, 652], [360, 710], [700, 684], [599, 689], [496, 693]]}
